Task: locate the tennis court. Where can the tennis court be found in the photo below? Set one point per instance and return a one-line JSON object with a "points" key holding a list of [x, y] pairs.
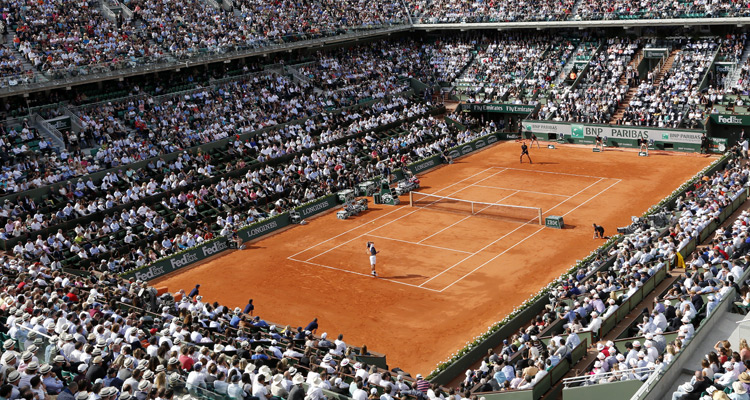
{"points": [[445, 275], [464, 236]]}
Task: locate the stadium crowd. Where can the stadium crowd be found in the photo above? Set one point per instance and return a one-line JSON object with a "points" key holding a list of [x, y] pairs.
{"points": [[599, 92], [83, 36], [447, 11], [664, 102], [712, 272], [77, 338], [142, 231], [502, 66], [306, 137]]}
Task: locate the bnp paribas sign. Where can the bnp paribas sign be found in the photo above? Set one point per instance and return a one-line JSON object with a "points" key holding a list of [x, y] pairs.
{"points": [[728, 119]]}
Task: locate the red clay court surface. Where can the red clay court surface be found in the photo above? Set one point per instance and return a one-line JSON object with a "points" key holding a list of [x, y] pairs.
{"points": [[444, 277]]}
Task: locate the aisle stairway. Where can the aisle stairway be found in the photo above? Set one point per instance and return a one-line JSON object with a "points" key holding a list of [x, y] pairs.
{"points": [[666, 66], [734, 77], [633, 64]]}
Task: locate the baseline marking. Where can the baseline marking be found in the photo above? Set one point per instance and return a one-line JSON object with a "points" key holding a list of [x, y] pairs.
{"points": [[420, 244], [361, 274]]}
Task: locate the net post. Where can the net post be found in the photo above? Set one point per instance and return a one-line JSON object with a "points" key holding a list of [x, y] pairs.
{"points": [[540, 217]]}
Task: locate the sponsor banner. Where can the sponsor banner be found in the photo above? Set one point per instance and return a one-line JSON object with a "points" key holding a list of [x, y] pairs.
{"points": [[727, 119], [264, 227], [633, 133], [723, 67], [178, 261], [422, 166], [501, 108], [547, 127], [584, 131], [318, 206], [506, 136], [655, 53], [719, 144], [480, 143], [60, 123], [461, 150]]}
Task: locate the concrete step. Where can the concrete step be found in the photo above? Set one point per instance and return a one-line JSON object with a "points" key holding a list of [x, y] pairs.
{"points": [[620, 112], [633, 64]]}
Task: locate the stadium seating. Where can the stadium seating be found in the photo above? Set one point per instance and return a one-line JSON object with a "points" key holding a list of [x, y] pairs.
{"points": [[161, 164]]}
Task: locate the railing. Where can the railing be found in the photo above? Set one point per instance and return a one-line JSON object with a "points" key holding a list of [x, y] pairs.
{"points": [[580, 380], [213, 4], [43, 343], [55, 135], [125, 10], [75, 120], [107, 12], [666, 376], [545, 383]]}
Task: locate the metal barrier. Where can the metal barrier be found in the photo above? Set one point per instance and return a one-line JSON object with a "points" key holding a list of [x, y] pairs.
{"points": [[581, 380]]}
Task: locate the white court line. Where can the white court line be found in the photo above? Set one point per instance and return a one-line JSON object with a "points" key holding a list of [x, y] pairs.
{"points": [[556, 173], [464, 219], [392, 221], [502, 237], [419, 244], [494, 258], [382, 216], [484, 179], [361, 274], [490, 260], [523, 191], [592, 198]]}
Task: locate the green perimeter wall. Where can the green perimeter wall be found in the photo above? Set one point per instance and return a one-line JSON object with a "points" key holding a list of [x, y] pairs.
{"points": [[218, 245], [622, 390], [617, 135]]}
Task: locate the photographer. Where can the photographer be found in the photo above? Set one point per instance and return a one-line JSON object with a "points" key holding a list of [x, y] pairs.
{"points": [[235, 241], [598, 231]]}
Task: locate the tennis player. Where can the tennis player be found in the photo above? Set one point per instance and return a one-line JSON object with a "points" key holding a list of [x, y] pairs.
{"points": [[534, 139], [373, 252], [599, 142], [525, 150], [643, 143]]}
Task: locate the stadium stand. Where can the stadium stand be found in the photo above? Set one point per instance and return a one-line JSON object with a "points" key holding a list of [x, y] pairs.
{"points": [[445, 11], [165, 163], [92, 334], [593, 101]]}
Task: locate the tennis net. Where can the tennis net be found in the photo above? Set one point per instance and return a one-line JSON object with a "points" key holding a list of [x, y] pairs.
{"points": [[500, 211]]}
